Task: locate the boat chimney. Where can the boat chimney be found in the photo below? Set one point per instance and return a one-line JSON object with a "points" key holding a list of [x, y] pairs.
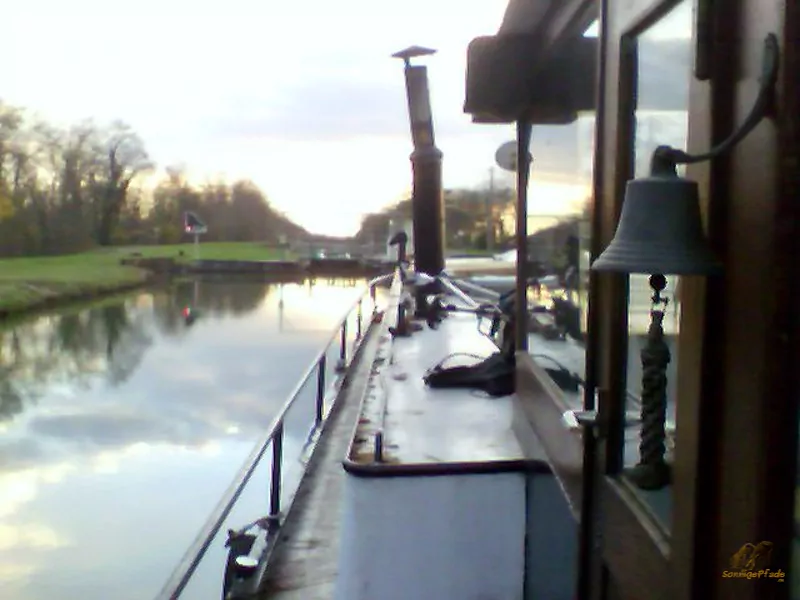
{"points": [[426, 163]]}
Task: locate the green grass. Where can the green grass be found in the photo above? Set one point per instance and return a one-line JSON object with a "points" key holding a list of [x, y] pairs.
{"points": [[28, 283], [210, 251], [31, 282], [470, 252]]}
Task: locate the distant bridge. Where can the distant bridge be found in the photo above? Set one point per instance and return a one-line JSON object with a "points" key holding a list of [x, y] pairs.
{"points": [[333, 248]]}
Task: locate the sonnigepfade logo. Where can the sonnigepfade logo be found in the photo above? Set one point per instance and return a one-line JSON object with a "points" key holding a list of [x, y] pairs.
{"points": [[752, 561]]}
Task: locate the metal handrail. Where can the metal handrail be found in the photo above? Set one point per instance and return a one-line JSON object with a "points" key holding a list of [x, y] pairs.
{"points": [[456, 291], [395, 315], [183, 573], [463, 284]]}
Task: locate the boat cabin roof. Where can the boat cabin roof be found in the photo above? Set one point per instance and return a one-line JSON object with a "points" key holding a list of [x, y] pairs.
{"points": [[422, 427]]}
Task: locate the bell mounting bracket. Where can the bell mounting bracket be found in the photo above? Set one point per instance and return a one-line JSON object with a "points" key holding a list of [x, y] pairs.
{"points": [[666, 158]]}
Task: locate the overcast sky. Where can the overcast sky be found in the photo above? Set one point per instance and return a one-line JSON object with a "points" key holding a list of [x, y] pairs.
{"points": [[302, 97]]}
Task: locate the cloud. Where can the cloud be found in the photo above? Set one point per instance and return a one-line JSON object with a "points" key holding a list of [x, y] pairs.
{"points": [[208, 384], [184, 406], [112, 429], [321, 110], [28, 536], [22, 453], [218, 85], [21, 487], [318, 111]]}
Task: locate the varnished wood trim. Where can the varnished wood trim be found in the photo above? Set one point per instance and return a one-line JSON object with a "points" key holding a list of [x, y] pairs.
{"points": [[589, 571], [636, 553], [741, 356], [633, 548], [569, 19], [755, 390], [614, 302], [649, 17], [783, 377], [696, 534], [709, 534], [542, 403], [694, 482]]}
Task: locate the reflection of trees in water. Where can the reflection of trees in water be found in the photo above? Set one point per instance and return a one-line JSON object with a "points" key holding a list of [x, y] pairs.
{"points": [[244, 299], [106, 342], [212, 298], [167, 315], [127, 339], [72, 348], [10, 400], [218, 298], [116, 321]]}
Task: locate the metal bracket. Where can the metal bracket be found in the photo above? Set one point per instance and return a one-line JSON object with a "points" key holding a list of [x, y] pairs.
{"points": [[578, 419], [666, 158]]}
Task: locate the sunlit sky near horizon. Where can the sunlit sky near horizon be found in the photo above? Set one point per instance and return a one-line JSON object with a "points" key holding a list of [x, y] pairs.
{"points": [[301, 97]]}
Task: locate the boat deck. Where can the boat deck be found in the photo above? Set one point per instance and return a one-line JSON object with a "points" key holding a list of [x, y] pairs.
{"points": [[422, 426], [421, 430], [305, 562]]}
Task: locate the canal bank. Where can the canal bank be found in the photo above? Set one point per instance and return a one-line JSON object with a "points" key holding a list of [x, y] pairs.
{"points": [[31, 285], [270, 269], [28, 285]]}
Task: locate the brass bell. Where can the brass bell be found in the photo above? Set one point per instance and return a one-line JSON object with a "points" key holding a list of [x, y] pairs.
{"points": [[660, 230]]}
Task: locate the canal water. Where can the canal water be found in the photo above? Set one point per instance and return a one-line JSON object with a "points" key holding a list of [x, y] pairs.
{"points": [[121, 426]]}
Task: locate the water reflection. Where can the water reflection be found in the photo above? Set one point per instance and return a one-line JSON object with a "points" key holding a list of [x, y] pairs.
{"points": [[121, 426]]}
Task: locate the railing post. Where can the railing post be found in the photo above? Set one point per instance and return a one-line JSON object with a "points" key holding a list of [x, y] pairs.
{"points": [[342, 348], [358, 320], [275, 480], [402, 328], [320, 388]]}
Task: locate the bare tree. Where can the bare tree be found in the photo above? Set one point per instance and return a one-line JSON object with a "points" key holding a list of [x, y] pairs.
{"points": [[65, 190], [124, 159]]}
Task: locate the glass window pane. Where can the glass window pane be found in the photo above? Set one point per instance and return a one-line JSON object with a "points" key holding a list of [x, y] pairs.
{"points": [[663, 75], [559, 202]]}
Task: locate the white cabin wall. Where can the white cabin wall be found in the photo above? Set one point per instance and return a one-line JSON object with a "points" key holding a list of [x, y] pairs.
{"points": [[452, 537]]}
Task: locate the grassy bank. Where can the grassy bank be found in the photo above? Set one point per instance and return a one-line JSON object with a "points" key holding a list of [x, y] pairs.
{"points": [[470, 252], [29, 283], [38, 282], [208, 251]]}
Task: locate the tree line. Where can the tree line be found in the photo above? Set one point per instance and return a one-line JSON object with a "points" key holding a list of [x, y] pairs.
{"points": [[70, 189], [474, 219]]}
